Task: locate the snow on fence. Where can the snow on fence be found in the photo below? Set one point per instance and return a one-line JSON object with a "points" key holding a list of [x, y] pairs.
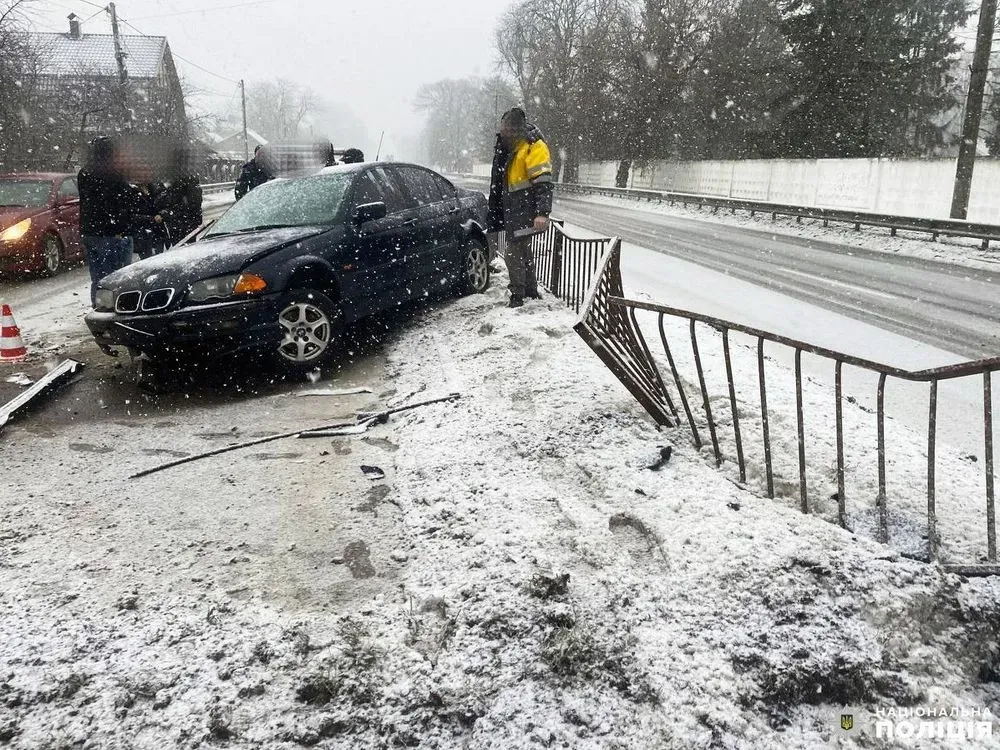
{"points": [[898, 187], [759, 412]]}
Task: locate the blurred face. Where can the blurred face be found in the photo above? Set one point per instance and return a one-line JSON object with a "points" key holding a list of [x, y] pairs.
{"points": [[509, 134]]}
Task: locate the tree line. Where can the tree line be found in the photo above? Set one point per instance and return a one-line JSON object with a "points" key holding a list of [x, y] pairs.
{"points": [[639, 80]]}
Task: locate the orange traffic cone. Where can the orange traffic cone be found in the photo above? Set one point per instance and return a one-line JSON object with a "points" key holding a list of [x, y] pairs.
{"points": [[12, 348]]}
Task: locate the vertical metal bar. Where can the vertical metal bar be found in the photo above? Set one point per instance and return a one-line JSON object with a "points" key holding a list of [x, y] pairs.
{"points": [[991, 519], [931, 470], [765, 421], [680, 386], [704, 394], [556, 272], [883, 510], [841, 480], [652, 364], [800, 422], [732, 403]]}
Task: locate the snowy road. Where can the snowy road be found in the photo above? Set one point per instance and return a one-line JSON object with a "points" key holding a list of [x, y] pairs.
{"points": [[951, 308]]}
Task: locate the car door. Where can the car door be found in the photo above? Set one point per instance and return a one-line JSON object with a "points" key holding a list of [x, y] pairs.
{"points": [[373, 276], [436, 229], [67, 218]]}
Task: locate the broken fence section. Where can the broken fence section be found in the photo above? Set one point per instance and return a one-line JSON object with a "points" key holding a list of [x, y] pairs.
{"points": [[609, 325]]}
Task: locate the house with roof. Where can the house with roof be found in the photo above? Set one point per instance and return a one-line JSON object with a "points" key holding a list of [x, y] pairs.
{"points": [[140, 92]]}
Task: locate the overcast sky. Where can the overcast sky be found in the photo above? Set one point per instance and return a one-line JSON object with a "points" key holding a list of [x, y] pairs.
{"points": [[371, 54]]}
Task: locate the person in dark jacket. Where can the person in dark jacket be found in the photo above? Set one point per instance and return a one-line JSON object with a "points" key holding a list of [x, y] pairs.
{"points": [[149, 235], [107, 212], [254, 173], [180, 203], [520, 198], [352, 156]]}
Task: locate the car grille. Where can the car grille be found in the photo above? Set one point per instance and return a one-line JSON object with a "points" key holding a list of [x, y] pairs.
{"points": [[158, 299], [128, 302]]}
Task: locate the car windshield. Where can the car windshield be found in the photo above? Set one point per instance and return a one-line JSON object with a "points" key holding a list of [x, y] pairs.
{"points": [[303, 202], [27, 193]]}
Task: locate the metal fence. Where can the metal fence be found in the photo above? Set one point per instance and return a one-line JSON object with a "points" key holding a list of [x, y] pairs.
{"points": [[610, 326], [565, 265]]}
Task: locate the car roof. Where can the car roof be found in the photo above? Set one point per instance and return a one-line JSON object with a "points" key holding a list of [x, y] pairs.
{"points": [[47, 176]]}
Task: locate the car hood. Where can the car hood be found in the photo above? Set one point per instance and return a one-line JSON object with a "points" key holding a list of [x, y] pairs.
{"points": [[203, 260], [10, 215]]}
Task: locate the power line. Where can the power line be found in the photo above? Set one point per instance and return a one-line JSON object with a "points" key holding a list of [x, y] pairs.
{"points": [[206, 10], [179, 57]]}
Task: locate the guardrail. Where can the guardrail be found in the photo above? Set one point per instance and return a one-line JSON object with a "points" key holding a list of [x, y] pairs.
{"points": [[610, 326], [218, 187], [934, 227]]}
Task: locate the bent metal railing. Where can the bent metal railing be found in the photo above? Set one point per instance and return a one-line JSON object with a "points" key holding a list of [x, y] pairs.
{"points": [[609, 325], [565, 265]]}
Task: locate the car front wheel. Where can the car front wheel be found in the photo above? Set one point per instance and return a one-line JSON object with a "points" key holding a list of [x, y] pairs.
{"points": [[52, 255], [310, 324], [476, 268]]}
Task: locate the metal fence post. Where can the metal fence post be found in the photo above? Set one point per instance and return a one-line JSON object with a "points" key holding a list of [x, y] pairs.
{"points": [[557, 257]]}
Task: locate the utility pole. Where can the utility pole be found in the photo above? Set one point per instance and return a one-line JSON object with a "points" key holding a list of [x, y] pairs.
{"points": [[120, 59], [973, 110], [246, 140]]}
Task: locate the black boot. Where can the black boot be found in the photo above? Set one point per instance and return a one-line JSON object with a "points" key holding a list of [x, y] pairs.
{"points": [[533, 294], [516, 300]]}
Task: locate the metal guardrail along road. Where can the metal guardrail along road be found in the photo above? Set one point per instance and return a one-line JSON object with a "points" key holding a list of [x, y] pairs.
{"points": [[934, 227]]}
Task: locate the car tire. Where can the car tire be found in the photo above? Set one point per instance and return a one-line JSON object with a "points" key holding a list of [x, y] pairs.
{"points": [[52, 255], [310, 324], [475, 268]]}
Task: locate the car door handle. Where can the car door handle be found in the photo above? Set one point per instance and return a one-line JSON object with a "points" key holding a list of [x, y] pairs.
{"points": [[409, 222], [455, 210]]}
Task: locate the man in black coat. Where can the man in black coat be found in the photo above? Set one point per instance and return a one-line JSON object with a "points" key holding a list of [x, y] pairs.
{"points": [[107, 212], [254, 173]]}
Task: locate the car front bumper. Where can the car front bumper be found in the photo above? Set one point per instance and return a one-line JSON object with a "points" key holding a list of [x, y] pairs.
{"points": [[213, 330]]}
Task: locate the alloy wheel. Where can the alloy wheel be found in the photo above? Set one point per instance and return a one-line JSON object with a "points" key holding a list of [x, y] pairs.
{"points": [[307, 332]]}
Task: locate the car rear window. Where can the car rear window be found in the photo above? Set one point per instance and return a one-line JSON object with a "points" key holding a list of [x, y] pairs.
{"points": [[24, 193]]}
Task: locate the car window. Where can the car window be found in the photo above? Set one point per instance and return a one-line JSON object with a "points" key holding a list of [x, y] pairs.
{"points": [[308, 201], [421, 185], [447, 189], [68, 189], [367, 191], [24, 193], [395, 199]]}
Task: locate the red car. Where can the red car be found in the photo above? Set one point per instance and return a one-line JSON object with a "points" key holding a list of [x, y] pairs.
{"points": [[39, 223]]}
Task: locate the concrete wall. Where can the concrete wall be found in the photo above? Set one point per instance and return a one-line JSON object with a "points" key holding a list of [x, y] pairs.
{"points": [[908, 187]]}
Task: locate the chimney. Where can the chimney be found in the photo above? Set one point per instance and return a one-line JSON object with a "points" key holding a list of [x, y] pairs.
{"points": [[74, 26]]}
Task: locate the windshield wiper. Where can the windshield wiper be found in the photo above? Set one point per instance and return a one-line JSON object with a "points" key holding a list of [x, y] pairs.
{"points": [[261, 227], [13, 205]]}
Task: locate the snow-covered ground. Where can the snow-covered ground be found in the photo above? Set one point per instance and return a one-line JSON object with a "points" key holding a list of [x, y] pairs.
{"points": [[956, 250], [528, 581]]}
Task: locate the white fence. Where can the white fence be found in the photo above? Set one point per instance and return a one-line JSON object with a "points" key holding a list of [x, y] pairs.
{"points": [[902, 187]]}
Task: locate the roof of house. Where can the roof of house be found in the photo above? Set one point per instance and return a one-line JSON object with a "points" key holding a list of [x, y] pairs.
{"points": [[94, 54]]}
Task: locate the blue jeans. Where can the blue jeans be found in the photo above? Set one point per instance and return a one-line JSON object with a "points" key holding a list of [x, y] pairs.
{"points": [[105, 255]]}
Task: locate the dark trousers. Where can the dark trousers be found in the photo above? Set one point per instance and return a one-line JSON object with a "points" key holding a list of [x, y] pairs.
{"points": [[520, 266], [105, 255]]}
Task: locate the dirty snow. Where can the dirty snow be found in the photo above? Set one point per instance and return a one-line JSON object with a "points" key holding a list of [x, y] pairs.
{"points": [[519, 578]]}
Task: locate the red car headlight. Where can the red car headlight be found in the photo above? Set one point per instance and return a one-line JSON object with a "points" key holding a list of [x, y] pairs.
{"points": [[16, 232]]}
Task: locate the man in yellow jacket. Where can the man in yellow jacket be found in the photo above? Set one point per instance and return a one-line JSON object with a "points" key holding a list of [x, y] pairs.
{"points": [[520, 198]]}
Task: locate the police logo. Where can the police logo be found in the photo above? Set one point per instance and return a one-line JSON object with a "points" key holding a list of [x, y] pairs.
{"points": [[847, 722]]}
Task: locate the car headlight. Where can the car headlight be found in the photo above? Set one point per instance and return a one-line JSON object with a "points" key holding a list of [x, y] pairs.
{"points": [[16, 232], [218, 288], [104, 300], [222, 287]]}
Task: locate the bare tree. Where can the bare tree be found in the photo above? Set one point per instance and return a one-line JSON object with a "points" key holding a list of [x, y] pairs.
{"points": [[279, 109]]}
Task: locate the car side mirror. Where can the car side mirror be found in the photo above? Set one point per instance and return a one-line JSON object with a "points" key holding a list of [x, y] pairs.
{"points": [[368, 212]]}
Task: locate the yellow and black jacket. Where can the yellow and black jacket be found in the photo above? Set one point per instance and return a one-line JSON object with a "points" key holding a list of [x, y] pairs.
{"points": [[520, 185]]}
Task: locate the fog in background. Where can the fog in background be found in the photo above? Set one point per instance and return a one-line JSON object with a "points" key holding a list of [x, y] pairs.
{"points": [[364, 60]]}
